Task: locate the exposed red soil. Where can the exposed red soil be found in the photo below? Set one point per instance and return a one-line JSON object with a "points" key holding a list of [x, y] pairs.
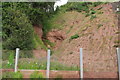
{"points": [[97, 42], [38, 30], [56, 36]]}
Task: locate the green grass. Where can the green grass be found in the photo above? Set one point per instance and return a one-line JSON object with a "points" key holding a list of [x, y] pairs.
{"points": [[52, 24], [6, 54], [37, 75], [12, 75], [41, 65], [58, 66], [6, 65], [23, 54], [36, 65]]}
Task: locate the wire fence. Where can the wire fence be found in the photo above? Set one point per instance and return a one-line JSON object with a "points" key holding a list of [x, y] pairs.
{"points": [[91, 62]]}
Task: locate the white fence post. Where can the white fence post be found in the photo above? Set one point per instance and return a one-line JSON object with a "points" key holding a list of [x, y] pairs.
{"points": [[81, 64], [118, 55], [48, 64], [16, 58]]}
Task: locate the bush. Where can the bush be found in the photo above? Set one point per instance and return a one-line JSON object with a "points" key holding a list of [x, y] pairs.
{"points": [[32, 64], [74, 36], [12, 75], [37, 74]]}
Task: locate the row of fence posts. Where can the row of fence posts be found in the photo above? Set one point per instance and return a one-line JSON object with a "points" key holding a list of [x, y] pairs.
{"points": [[81, 62]]}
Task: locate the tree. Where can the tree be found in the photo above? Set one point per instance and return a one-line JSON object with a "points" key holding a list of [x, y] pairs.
{"points": [[18, 19], [17, 29]]}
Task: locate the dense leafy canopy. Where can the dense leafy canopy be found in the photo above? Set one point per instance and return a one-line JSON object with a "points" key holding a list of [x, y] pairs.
{"points": [[18, 19], [17, 30]]}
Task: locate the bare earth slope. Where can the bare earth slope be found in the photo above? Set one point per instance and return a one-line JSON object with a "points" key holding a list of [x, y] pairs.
{"points": [[97, 38]]}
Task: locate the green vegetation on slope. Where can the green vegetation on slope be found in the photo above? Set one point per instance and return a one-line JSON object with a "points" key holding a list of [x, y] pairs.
{"points": [[39, 43]]}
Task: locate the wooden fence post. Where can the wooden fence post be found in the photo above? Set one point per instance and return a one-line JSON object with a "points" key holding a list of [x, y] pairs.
{"points": [[81, 64], [48, 63], [118, 55], [16, 59]]}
